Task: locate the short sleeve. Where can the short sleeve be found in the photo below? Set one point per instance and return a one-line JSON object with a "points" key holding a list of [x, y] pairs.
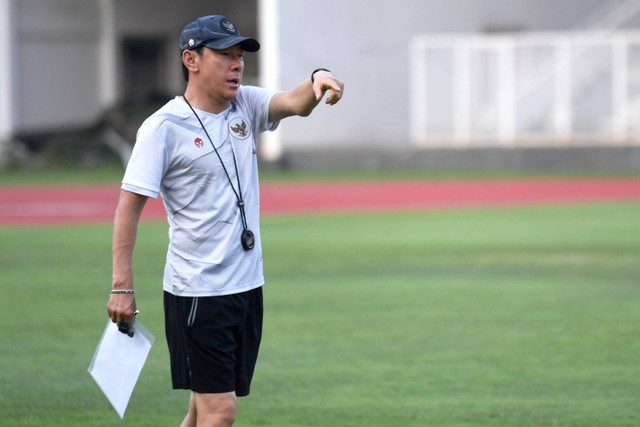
{"points": [[259, 99], [147, 165]]}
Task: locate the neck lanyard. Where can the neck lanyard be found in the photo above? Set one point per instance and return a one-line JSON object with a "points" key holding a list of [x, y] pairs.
{"points": [[247, 239]]}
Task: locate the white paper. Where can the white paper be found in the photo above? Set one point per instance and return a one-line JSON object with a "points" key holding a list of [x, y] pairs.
{"points": [[117, 363]]}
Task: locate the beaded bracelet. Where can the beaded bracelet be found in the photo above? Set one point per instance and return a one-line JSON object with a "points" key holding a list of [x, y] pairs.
{"points": [[123, 291]]}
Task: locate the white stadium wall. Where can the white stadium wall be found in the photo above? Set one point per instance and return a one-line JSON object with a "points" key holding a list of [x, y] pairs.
{"points": [[367, 44], [64, 72]]}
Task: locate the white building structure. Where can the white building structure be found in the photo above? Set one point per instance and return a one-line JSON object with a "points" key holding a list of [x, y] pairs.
{"points": [[65, 62]]}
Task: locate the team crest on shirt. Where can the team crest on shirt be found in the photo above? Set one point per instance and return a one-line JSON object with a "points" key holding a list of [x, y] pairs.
{"points": [[199, 142], [240, 128]]}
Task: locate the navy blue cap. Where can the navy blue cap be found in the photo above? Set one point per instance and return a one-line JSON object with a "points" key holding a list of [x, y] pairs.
{"points": [[216, 32]]}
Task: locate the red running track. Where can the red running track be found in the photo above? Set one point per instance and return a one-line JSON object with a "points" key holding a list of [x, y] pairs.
{"points": [[87, 204]]}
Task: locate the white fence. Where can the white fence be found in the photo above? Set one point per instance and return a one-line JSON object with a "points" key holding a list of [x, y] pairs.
{"points": [[530, 89]]}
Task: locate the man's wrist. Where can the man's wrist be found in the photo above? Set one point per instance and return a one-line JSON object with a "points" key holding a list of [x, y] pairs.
{"points": [[315, 71], [123, 291]]}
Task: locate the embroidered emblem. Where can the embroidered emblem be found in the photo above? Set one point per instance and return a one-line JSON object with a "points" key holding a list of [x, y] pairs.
{"points": [[199, 143], [227, 26], [239, 128]]}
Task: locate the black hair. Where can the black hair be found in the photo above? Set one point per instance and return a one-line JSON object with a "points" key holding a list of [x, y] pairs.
{"points": [[185, 73]]}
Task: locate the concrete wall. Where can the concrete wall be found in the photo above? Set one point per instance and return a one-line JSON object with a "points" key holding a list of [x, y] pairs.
{"points": [[567, 160], [55, 63], [59, 74], [56, 55], [366, 44], [6, 74]]}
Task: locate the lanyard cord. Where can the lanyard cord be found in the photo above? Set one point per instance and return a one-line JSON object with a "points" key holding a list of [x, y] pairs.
{"points": [[238, 193]]}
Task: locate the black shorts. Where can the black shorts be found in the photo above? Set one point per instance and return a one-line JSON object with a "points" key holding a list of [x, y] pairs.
{"points": [[214, 341]]}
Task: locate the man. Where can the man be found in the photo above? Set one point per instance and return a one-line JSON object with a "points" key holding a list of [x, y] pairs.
{"points": [[199, 152]]}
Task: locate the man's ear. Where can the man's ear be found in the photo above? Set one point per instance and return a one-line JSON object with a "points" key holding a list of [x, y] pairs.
{"points": [[191, 60]]}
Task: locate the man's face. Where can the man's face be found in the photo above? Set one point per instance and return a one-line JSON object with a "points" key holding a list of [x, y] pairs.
{"points": [[221, 72]]}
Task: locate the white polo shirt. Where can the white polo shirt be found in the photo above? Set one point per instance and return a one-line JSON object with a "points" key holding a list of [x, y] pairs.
{"points": [[174, 157]]}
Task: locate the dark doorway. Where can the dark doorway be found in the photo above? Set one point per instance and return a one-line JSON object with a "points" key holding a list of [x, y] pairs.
{"points": [[143, 70]]}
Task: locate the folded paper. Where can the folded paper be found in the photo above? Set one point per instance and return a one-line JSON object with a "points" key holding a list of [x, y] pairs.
{"points": [[117, 363]]}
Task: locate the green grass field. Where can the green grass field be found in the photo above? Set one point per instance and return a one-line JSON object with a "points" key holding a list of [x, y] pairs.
{"points": [[484, 317]]}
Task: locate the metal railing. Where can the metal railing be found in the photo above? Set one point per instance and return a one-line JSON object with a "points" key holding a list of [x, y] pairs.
{"points": [[532, 88]]}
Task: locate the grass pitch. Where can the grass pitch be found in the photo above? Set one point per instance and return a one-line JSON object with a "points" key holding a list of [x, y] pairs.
{"points": [[485, 317]]}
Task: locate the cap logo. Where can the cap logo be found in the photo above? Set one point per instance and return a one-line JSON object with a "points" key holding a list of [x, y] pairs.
{"points": [[192, 42], [227, 26]]}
